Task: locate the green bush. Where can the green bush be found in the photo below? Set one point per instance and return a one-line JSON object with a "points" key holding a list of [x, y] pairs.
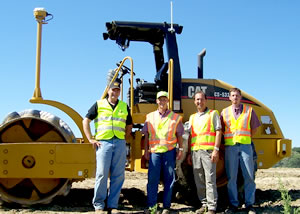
{"points": [[291, 162], [296, 149]]}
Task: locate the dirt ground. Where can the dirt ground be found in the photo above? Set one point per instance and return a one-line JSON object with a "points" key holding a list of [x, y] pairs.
{"points": [[133, 196]]}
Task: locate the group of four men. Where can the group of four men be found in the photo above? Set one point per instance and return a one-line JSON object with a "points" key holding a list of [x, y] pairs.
{"points": [[163, 130]]}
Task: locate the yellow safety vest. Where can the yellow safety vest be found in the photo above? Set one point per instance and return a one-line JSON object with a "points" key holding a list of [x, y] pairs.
{"points": [[237, 130], [109, 122], [203, 134], [162, 132]]}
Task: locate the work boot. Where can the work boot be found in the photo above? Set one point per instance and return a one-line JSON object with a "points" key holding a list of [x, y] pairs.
{"points": [[113, 211], [165, 211], [250, 210], [202, 209], [231, 209]]}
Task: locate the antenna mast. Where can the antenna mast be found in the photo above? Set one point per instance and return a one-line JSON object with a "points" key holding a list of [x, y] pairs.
{"points": [[171, 29]]}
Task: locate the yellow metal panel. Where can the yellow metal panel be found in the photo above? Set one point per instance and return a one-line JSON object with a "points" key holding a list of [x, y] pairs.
{"points": [[47, 160], [141, 110], [138, 153], [137, 150], [138, 167], [139, 118], [70, 154], [284, 148], [266, 150], [144, 108]]}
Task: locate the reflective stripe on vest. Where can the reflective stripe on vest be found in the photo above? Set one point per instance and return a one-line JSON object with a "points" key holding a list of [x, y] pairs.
{"points": [[162, 132], [109, 122], [203, 134], [237, 130]]}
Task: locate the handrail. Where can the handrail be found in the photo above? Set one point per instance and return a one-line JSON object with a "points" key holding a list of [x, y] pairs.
{"points": [[131, 82], [170, 83]]}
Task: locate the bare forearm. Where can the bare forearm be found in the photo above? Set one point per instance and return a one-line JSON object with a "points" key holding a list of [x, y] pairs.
{"points": [[253, 131], [189, 144], [146, 142], [128, 130], [179, 141], [218, 138], [87, 128]]}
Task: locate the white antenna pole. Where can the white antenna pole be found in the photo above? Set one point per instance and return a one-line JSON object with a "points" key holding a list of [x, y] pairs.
{"points": [[171, 29]]}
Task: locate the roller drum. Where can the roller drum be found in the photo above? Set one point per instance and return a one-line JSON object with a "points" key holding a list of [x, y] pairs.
{"points": [[26, 127]]}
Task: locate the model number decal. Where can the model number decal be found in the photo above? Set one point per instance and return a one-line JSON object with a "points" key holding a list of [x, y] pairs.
{"points": [[221, 94]]}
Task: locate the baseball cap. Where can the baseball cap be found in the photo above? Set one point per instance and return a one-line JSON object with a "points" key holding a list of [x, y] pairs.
{"points": [[162, 94], [115, 84]]}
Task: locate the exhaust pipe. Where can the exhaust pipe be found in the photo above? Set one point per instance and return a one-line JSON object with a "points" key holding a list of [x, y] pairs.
{"points": [[200, 63]]}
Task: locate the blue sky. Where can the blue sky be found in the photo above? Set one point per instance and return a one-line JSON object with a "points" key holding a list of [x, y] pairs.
{"points": [[253, 45]]}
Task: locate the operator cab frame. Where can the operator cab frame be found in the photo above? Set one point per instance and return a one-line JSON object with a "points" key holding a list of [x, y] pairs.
{"points": [[157, 34]]}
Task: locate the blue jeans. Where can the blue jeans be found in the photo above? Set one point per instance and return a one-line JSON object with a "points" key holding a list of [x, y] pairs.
{"points": [[158, 162], [111, 158], [235, 156]]}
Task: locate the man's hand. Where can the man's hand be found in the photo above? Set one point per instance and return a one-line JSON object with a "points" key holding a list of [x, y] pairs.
{"points": [[147, 155], [189, 159], [215, 156], [95, 143], [179, 155]]}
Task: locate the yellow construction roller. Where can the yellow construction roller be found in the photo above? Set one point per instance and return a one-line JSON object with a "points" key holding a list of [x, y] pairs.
{"points": [[27, 127]]}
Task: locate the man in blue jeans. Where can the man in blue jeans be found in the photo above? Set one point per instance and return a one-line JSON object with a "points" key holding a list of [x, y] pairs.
{"points": [[240, 123], [163, 130], [112, 123]]}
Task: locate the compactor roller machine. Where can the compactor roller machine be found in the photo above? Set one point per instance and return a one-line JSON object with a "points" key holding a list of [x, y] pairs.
{"points": [[270, 144], [41, 157]]}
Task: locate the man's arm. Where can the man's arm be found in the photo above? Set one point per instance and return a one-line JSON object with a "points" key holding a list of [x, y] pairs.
{"points": [[254, 123], [189, 157], [215, 153], [218, 127], [146, 146], [218, 138], [128, 127], [253, 131], [128, 131], [180, 152], [87, 131]]}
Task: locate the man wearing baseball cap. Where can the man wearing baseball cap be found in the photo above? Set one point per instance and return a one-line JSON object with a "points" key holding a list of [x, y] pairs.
{"points": [[163, 130], [112, 123]]}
